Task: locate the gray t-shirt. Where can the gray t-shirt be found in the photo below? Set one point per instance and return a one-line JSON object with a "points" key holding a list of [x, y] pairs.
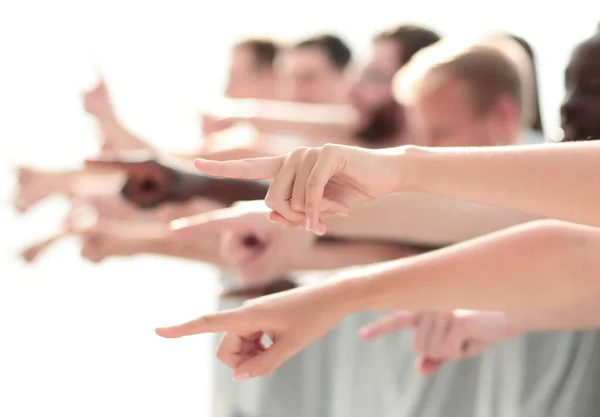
{"points": [[534, 375]]}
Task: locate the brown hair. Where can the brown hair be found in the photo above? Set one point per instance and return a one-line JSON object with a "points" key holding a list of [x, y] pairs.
{"points": [[485, 66], [264, 50]]}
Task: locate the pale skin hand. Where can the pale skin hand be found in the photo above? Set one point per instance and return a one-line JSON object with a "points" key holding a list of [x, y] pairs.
{"points": [[256, 249], [443, 337], [311, 182], [514, 177], [286, 318]]}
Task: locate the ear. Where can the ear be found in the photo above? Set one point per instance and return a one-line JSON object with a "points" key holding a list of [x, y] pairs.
{"points": [[507, 115]]}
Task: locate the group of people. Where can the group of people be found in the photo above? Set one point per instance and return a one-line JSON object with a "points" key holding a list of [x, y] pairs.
{"points": [[414, 195]]}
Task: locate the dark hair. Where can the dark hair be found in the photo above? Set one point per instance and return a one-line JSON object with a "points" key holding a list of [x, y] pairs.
{"points": [[264, 50], [410, 40], [536, 122], [338, 53]]}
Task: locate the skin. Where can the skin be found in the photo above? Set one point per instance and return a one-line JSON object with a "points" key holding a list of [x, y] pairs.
{"points": [[308, 76], [581, 107]]}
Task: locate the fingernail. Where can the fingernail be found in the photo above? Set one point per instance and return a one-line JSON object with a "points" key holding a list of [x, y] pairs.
{"points": [[308, 225], [240, 376], [179, 224], [342, 214]]}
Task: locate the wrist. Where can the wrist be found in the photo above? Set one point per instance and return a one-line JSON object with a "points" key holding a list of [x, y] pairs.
{"points": [[409, 164]]}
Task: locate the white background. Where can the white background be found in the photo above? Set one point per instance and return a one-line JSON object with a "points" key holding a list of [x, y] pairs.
{"points": [[77, 339]]}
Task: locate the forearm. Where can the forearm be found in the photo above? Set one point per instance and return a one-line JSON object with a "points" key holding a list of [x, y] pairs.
{"points": [[332, 255], [541, 265], [423, 219], [556, 181], [583, 316], [205, 249], [295, 118]]}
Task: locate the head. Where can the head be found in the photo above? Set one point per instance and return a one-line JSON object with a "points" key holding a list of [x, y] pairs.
{"points": [[580, 112], [251, 70], [314, 70], [458, 95], [380, 118]]}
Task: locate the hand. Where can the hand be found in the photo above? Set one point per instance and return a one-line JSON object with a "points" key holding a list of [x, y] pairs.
{"points": [[96, 102], [291, 319], [257, 250], [310, 182], [440, 337], [150, 181], [105, 239]]}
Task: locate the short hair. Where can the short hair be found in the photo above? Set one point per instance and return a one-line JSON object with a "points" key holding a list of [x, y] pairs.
{"points": [[263, 50], [410, 40], [536, 122], [487, 67], [336, 50]]}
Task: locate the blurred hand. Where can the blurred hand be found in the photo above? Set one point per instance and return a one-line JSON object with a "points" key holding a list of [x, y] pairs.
{"points": [[105, 239], [96, 102], [291, 319], [150, 181], [311, 182], [257, 250], [441, 337]]}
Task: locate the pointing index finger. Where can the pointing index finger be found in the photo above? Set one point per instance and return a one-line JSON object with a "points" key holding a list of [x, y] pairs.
{"points": [[251, 168], [209, 323]]}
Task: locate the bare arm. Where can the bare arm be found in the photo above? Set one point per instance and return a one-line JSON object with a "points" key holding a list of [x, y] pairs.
{"points": [[541, 265], [307, 120], [332, 255], [423, 219], [558, 181]]}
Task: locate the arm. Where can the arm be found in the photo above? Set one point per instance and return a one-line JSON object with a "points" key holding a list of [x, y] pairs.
{"points": [[540, 265], [558, 181], [423, 219], [295, 118], [332, 255]]}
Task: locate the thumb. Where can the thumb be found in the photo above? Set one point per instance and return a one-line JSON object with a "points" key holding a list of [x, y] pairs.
{"points": [[210, 323], [250, 168], [391, 323], [268, 361]]}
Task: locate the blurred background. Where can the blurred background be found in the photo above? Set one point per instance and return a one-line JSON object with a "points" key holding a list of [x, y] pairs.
{"points": [[77, 339]]}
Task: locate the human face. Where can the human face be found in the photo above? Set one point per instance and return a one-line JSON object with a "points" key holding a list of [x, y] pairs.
{"points": [[307, 76], [445, 115], [580, 112], [372, 91], [246, 79]]}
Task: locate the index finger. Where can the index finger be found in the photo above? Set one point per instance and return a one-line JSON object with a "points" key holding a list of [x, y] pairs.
{"points": [[261, 168], [210, 323], [388, 324]]}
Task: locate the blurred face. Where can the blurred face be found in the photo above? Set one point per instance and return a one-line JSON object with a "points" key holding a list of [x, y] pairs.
{"points": [[372, 90], [245, 78], [580, 112], [445, 116], [307, 76]]}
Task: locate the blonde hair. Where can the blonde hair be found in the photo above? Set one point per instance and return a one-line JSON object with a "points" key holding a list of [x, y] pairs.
{"points": [[491, 67]]}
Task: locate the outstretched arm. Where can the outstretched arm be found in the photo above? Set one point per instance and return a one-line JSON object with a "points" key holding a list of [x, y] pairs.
{"points": [[558, 181], [513, 177], [540, 265]]}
